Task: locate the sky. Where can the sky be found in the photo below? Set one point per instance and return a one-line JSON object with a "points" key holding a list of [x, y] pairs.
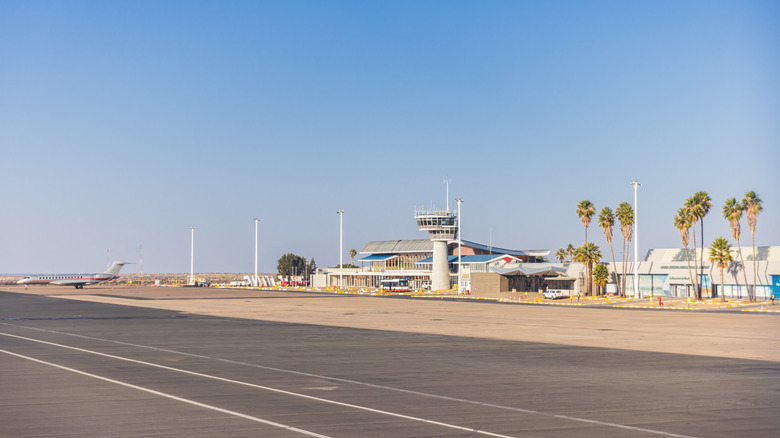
{"points": [[125, 123]]}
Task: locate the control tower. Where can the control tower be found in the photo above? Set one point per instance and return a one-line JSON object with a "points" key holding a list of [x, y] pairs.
{"points": [[442, 228]]}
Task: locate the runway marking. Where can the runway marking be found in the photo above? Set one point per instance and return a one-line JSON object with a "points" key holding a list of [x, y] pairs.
{"points": [[170, 396], [372, 385], [237, 382]]}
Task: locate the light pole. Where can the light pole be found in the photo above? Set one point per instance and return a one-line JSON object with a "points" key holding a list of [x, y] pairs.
{"points": [[256, 221], [637, 293], [341, 248], [192, 256], [460, 266]]}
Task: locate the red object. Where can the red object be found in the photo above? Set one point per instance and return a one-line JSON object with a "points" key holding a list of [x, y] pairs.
{"points": [[659, 302]]}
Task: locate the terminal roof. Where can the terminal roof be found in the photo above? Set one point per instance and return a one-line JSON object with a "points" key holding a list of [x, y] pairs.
{"points": [[397, 246], [515, 252], [484, 258], [426, 245], [377, 257], [543, 269]]}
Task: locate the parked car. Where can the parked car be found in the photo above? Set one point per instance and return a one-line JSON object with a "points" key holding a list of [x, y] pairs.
{"points": [[553, 294]]}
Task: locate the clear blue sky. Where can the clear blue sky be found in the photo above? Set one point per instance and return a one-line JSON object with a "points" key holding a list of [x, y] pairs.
{"points": [[125, 123]]}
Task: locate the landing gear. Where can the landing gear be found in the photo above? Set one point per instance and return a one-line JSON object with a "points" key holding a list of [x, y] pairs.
{"points": [[79, 286]]}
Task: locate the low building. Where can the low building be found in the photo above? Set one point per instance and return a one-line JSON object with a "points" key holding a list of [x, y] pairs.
{"points": [[665, 272]]}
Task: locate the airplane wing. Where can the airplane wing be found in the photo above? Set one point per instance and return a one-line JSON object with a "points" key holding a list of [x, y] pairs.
{"points": [[73, 282]]}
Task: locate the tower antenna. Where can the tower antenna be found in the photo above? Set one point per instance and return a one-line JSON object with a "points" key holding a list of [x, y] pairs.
{"points": [[447, 182]]}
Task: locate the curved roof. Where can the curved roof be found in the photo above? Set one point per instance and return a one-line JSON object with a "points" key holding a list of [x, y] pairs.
{"points": [[514, 252], [482, 258], [397, 246], [377, 257], [426, 245], [543, 269]]}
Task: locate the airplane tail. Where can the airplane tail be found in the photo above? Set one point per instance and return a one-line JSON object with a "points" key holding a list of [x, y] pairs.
{"points": [[115, 268]]}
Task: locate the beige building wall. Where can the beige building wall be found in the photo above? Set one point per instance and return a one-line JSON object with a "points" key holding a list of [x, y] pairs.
{"points": [[488, 284]]}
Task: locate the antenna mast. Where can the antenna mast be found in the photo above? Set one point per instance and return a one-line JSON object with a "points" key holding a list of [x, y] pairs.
{"points": [[447, 182]]}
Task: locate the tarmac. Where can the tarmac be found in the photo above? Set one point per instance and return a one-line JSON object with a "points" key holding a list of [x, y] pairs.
{"points": [[129, 361]]}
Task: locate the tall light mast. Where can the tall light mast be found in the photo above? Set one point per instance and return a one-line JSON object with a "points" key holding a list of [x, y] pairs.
{"points": [[341, 248], [460, 265], [637, 293], [192, 256], [256, 221]]}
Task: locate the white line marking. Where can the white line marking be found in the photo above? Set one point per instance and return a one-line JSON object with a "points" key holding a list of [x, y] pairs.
{"points": [[238, 382], [170, 396], [371, 385]]}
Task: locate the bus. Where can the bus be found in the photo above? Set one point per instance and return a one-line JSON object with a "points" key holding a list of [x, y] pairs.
{"points": [[395, 285]]}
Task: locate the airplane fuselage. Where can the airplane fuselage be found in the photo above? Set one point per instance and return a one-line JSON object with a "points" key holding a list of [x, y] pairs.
{"points": [[76, 280]]}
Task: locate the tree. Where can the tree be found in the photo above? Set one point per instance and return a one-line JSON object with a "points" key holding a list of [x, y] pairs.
{"points": [[732, 211], [698, 205], [291, 264], [751, 203], [625, 214], [352, 254], [560, 255], [585, 211], [601, 276], [312, 267], [720, 254], [570, 251], [588, 254], [606, 222], [682, 221]]}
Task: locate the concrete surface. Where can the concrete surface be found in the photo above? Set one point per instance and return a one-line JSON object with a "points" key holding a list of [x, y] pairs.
{"points": [[292, 364]]}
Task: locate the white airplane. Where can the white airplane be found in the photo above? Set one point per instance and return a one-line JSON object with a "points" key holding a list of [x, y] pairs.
{"points": [[76, 280]]}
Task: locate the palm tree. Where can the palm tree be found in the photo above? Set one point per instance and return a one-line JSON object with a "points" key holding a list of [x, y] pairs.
{"points": [[696, 206], [702, 203], [570, 251], [751, 203], [352, 254], [589, 254], [606, 222], [625, 214], [732, 211], [720, 254], [585, 211], [682, 221], [600, 276], [560, 255]]}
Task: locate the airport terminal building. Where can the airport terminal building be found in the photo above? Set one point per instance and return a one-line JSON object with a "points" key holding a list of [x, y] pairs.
{"points": [[441, 261], [495, 272], [386, 260]]}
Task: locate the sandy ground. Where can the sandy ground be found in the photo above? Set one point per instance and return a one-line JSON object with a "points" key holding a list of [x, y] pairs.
{"points": [[724, 334]]}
